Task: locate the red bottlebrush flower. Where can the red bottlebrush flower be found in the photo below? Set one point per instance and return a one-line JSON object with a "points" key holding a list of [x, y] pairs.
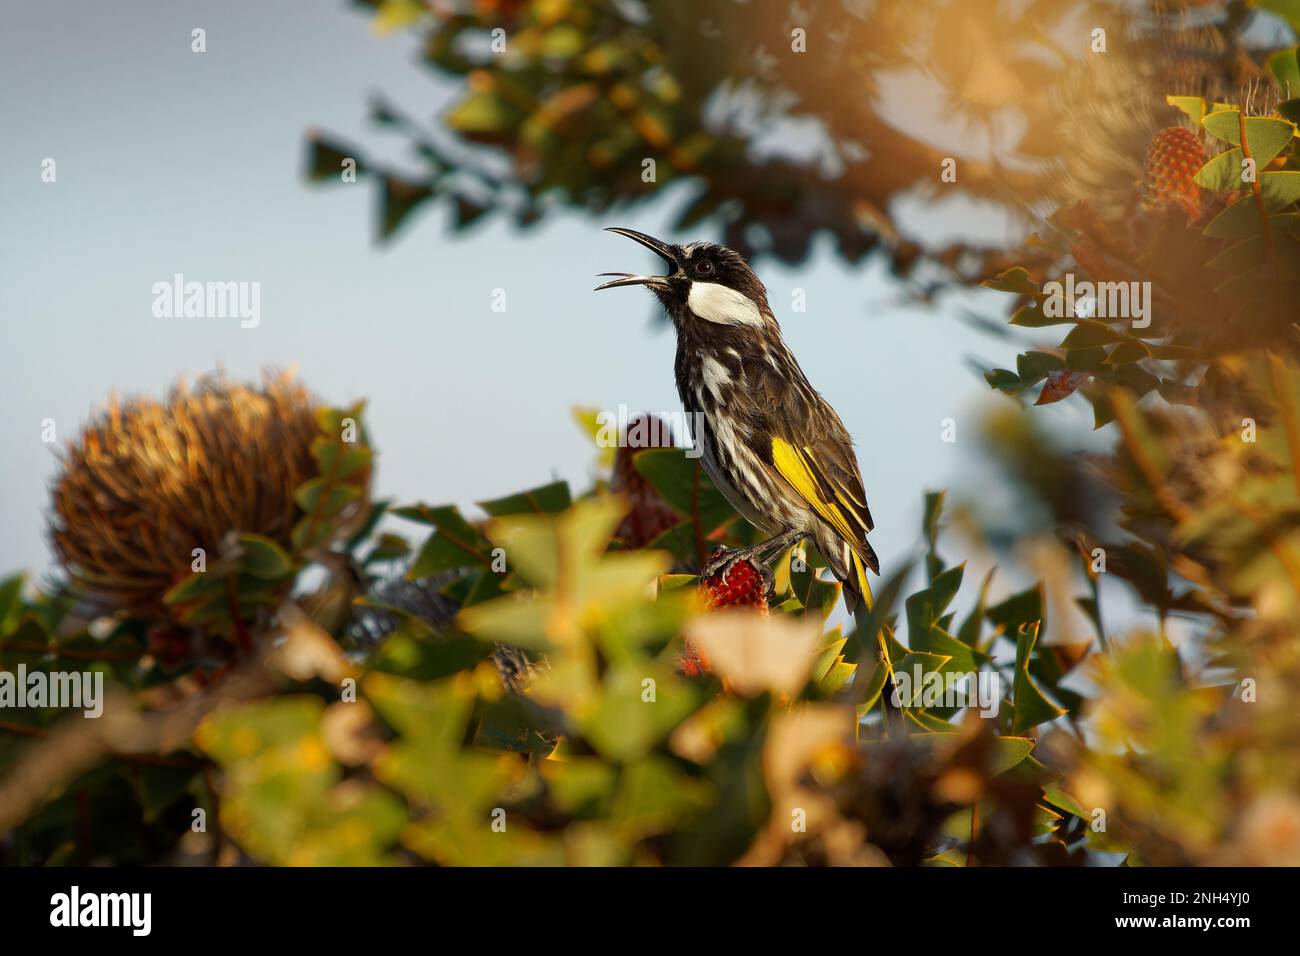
{"points": [[1174, 157], [648, 515]]}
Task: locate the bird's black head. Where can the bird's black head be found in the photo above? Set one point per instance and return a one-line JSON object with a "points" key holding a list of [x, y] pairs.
{"points": [[705, 282]]}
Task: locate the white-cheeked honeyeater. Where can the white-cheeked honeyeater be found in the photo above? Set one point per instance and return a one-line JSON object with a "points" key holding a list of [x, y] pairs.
{"points": [[774, 447]]}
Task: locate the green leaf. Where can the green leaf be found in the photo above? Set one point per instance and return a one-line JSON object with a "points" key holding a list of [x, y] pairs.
{"points": [[395, 14], [325, 160], [1284, 67], [1015, 279], [10, 601], [947, 858], [1239, 220], [916, 664], [1032, 317], [969, 632], [1246, 254], [863, 645], [1192, 106], [547, 499], [681, 481], [1287, 9], [1279, 188], [623, 725], [456, 543], [1007, 752], [320, 492], [1090, 333], [1059, 798], [1005, 380], [400, 198], [197, 586], [1265, 136], [1222, 173], [1017, 610], [1034, 366], [483, 117], [340, 459], [1030, 707], [263, 558], [1128, 351], [1086, 360], [414, 651]]}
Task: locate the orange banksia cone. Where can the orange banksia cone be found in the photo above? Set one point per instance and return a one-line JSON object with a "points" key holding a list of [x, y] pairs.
{"points": [[1169, 178]]}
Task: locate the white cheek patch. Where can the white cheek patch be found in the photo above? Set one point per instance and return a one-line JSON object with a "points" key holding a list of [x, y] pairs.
{"points": [[717, 303]]}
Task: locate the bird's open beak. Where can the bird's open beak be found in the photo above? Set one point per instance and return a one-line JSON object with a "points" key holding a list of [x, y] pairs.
{"points": [[661, 249]]}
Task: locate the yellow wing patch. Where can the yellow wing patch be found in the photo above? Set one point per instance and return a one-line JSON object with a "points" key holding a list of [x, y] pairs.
{"points": [[797, 466]]}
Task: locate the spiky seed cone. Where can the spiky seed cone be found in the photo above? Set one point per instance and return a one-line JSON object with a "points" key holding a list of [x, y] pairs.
{"points": [[648, 515], [1169, 176], [147, 482]]}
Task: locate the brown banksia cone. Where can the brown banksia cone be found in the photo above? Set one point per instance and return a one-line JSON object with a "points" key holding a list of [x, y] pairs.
{"points": [[147, 482], [648, 515], [1173, 159]]}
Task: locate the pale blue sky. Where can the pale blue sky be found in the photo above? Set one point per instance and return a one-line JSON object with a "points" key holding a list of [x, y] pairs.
{"points": [[174, 162]]}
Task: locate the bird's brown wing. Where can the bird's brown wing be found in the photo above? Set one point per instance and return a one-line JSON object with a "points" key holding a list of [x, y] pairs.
{"points": [[811, 450]]}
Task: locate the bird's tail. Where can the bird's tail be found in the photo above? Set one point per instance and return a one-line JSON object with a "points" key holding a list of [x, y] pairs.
{"points": [[857, 589], [858, 599]]}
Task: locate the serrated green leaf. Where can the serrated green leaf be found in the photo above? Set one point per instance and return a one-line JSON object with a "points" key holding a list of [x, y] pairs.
{"points": [[1030, 707]]}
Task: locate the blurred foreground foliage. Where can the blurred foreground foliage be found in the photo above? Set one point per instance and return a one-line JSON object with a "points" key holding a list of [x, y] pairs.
{"points": [[508, 690], [361, 726], [506, 687]]}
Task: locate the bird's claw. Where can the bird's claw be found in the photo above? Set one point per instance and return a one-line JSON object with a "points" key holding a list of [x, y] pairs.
{"points": [[724, 559]]}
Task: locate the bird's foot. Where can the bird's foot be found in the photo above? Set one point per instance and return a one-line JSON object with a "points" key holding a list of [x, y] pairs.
{"points": [[723, 559]]}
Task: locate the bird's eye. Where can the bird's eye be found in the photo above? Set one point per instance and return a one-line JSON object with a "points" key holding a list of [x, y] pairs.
{"points": [[704, 268]]}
